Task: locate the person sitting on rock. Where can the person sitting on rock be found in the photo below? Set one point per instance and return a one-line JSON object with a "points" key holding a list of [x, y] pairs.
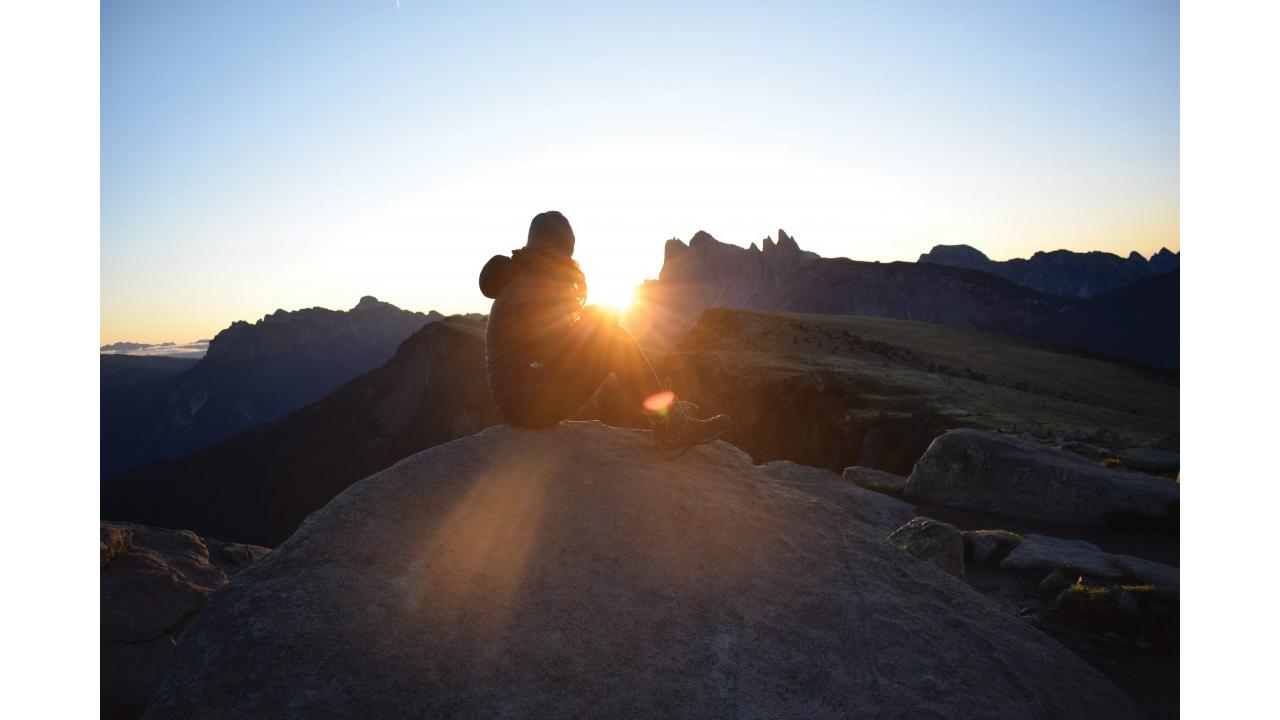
{"points": [[547, 352]]}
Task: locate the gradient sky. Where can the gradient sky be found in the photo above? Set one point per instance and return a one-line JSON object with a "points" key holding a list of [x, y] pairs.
{"points": [[263, 155]]}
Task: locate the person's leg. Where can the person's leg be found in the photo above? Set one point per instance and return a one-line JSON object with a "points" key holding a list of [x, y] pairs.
{"points": [[582, 360], [619, 351], [595, 347]]}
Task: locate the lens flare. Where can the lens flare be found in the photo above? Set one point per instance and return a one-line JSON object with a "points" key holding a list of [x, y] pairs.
{"points": [[660, 403]]}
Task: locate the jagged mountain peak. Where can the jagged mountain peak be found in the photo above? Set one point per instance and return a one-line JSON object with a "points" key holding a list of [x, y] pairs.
{"points": [[673, 248], [1062, 272], [701, 237], [941, 254]]}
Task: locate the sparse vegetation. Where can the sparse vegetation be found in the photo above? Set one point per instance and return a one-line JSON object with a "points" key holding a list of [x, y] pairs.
{"points": [[876, 391]]}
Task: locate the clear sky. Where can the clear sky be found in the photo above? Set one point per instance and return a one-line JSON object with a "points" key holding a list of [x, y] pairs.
{"points": [[288, 154]]}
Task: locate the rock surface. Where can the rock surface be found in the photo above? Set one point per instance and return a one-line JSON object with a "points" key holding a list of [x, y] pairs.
{"points": [[1041, 552], [153, 582], [571, 572], [1150, 459], [987, 547], [872, 479], [987, 471], [936, 543]]}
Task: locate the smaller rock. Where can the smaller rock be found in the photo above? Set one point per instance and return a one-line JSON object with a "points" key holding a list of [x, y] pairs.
{"points": [[1059, 579], [1150, 459], [1075, 436], [1111, 608], [152, 583], [877, 480], [988, 547], [1105, 435], [1126, 604], [1093, 452], [936, 543], [1038, 552]]}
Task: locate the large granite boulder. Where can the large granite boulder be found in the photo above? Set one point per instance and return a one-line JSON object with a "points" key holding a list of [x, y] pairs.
{"points": [[572, 572], [997, 473], [153, 583]]}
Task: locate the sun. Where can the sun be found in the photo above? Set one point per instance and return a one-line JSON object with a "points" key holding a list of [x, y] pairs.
{"points": [[617, 295], [612, 285]]}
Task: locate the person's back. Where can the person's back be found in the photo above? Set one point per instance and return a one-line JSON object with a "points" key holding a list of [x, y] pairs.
{"points": [[547, 352], [525, 311]]}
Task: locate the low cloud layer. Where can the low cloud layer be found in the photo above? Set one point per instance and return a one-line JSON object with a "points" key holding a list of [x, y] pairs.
{"points": [[193, 349]]}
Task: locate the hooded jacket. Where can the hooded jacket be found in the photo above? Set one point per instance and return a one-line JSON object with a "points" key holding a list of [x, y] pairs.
{"points": [[536, 300]]}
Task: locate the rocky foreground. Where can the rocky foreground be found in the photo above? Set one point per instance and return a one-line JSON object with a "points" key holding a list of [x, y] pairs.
{"points": [[573, 573], [153, 583]]}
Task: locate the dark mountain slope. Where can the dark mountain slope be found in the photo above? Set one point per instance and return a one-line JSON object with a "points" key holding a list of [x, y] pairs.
{"points": [[261, 483], [255, 373], [129, 387], [1139, 322]]}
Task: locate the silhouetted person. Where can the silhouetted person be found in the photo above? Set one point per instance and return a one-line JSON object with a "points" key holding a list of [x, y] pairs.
{"points": [[548, 352]]}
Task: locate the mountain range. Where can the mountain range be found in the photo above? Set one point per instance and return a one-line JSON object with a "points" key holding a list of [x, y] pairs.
{"points": [[869, 391], [780, 276], [1060, 272], [252, 373], [1075, 300], [262, 482], [408, 387], [1137, 322], [304, 431]]}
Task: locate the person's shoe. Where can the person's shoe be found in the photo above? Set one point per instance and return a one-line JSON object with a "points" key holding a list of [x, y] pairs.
{"points": [[680, 430]]}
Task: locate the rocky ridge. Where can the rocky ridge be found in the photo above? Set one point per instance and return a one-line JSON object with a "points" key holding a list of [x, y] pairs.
{"points": [[707, 273], [1060, 272], [571, 572], [153, 584]]}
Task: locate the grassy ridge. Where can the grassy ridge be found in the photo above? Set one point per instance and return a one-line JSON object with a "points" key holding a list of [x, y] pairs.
{"points": [[901, 374]]}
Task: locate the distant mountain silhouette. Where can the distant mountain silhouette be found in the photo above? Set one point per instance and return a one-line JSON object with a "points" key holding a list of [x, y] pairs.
{"points": [[1060, 272], [708, 273], [1137, 322], [253, 373], [263, 482]]}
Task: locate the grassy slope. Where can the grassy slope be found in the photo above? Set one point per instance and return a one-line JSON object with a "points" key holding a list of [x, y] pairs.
{"points": [[974, 378]]}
